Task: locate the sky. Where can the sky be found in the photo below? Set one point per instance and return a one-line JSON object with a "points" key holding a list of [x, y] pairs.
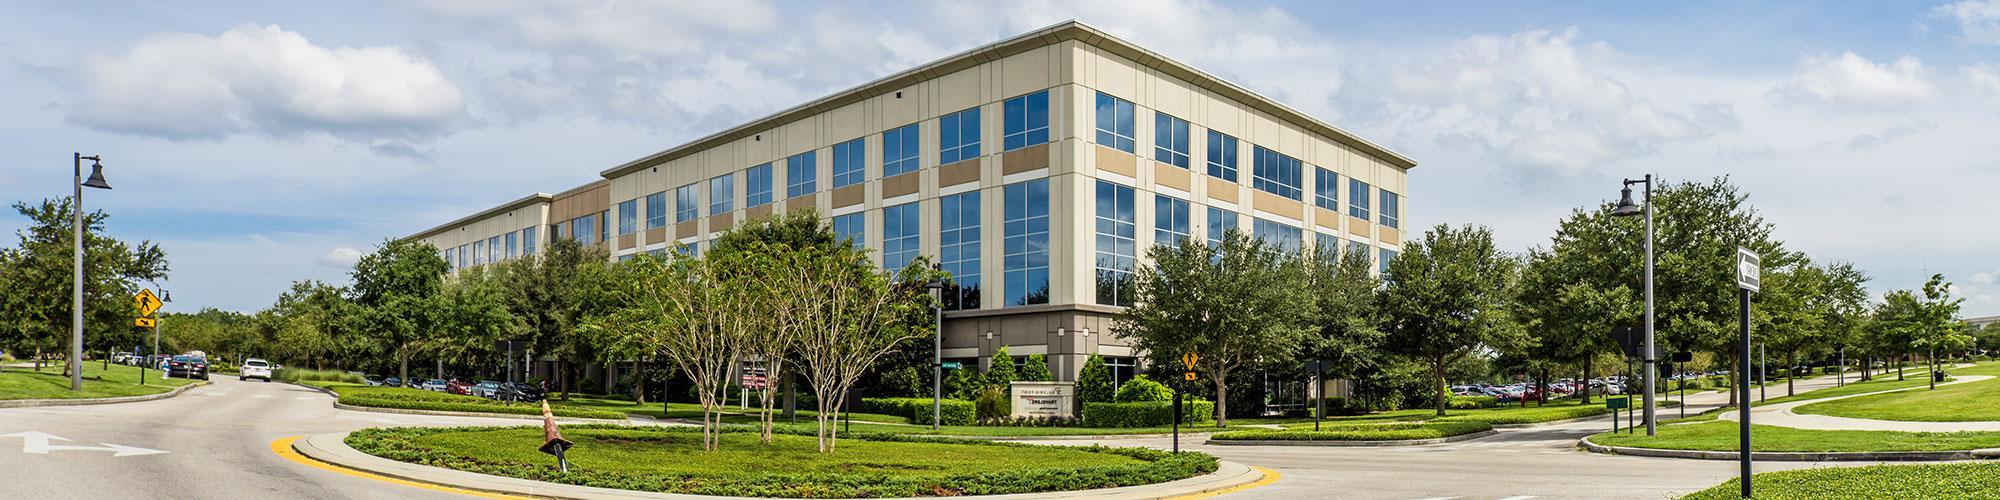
{"points": [[265, 142]]}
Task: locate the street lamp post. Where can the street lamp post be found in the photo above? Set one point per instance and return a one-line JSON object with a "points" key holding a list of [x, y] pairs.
{"points": [[1625, 209], [937, 353], [76, 290]]}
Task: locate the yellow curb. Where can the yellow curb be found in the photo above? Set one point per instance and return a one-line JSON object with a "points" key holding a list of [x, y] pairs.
{"points": [[283, 447], [1270, 476]]}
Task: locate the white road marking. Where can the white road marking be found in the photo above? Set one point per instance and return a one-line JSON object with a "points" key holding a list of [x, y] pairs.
{"points": [[1450, 498], [37, 443], [1526, 497], [309, 398], [268, 396]]}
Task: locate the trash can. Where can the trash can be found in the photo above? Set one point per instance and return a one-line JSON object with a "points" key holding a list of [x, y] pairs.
{"points": [[1937, 376]]}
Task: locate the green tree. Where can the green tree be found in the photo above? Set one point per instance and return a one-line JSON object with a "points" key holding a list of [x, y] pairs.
{"points": [[1000, 371], [1932, 322], [401, 285], [1348, 337], [1445, 297], [39, 279], [548, 293], [472, 317], [1036, 369], [1806, 308], [1093, 384]]}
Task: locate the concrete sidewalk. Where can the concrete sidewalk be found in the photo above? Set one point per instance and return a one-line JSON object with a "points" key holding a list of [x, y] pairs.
{"points": [[1781, 415]]}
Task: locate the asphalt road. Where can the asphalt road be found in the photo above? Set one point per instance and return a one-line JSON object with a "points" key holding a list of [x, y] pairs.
{"points": [[217, 444]]}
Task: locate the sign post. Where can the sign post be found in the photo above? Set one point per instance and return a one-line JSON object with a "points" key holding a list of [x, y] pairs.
{"points": [[147, 304], [1188, 361], [1749, 279]]}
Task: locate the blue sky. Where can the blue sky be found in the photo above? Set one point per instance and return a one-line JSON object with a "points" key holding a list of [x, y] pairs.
{"points": [[263, 142]]}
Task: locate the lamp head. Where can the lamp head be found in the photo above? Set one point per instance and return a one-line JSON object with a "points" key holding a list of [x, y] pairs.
{"points": [[96, 179], [1625, 206]]}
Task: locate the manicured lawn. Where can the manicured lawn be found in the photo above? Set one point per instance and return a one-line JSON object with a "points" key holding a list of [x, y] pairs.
{"points": [[671, 460], [1383, 431], [1722, 436], [1561, 409], [1967, 402], [1925, 481], [418, 399], [50, 383]]}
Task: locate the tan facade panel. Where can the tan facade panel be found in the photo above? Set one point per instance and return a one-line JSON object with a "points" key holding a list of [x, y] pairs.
{"points": [[721, 222], [800, 203], [901, 184], [1117, 162], [687, 229], [1222, 190], [850, 195], [1173, 177], [626, 241], [1280, 205], [656, 235], [1392, 236], [958, 173], [1326, 218], [757, 212], [1026, 159], [582, 201], [1360, 227]]}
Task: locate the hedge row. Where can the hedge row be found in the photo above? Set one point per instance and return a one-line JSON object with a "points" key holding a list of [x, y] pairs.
{"points": [[303, 375], [1472, 402], [1398, 431], [1154, 466], [918, 410], [1145, 414], [418, 399]]}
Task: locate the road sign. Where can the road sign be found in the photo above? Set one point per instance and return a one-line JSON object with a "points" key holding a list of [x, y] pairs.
{"points": [[1629, 339], [1190, 376], [951, 365], [1616, 404], [1749, 269], [1188, 360], [146, 302], [145, 322]]}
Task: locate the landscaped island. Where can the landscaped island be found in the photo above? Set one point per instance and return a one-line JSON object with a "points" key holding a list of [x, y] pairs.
{"points": [[671, 459]]}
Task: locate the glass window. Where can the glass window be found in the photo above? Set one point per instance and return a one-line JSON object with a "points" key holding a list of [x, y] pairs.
{"points": [[900, 236], [603, 221], [1026, 122], [1114, 122], [1326, 189], [958, 136], [628, 217], [584, 229], [1357, 198], [464, 258], [656, 210], [1221, 156], [1170, 220], [478, 252], [849, 165], [1358, 248], [1279, 236], [1275, 173], [1382, 264], [1026, 247], [1170, 140], [800, 172], [511, 244], [1116, 230], [687, 203], [958, 248], [448, 262], [1327, 246], [528, 241], [722, 194], [899, 151], [852, 228], [493, 249], [758, 181], [1391, 209], [1220, 221]]}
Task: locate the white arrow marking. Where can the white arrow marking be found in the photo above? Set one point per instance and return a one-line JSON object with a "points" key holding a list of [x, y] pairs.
{"points": [[37, 443], [268, 396]]}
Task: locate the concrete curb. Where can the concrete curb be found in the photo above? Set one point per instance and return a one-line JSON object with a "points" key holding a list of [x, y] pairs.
{"points": [[1404, 442], [32, 403], [338, 406], [332, 449], [1848, 456], [1551, 422]]}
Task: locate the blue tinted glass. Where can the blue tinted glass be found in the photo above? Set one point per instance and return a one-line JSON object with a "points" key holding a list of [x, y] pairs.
{"points": [[656, 210], [1115, 244], [1326, 190], [686, 203], [801, 170], [1220, 221], [959, 248], [1025, 255], [628, 217], [757, 180], [848, 166], [1276, 173], [899, 151], [1026, 121], [900, 235], [1357, 198], [1221, 156], [852, 228], [721, 194]]}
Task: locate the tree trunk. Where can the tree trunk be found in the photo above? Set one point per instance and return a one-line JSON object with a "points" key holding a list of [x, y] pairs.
{"points": [[1437, 377], [1586, 381], [563, 376], [1736, 374], [639, 374], [403, 360], [440, 368], [1792, 358], [1222, 398], [1899, 366]]}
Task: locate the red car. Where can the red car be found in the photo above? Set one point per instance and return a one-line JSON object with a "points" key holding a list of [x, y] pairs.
{"points": [[456, 386]]}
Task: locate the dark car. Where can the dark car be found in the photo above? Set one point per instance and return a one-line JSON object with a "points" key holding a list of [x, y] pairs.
{"points": [[188, 367], [392, 381], [518, 391]]}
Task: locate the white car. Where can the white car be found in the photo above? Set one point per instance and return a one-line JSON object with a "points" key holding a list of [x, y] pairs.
{"points": [[254, 368]]}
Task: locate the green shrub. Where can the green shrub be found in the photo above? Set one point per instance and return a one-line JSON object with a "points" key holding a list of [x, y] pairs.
{"points": [[994, 402], [1144, 413], [1142, 389], [1396, 431], [303, 375], [1472, 402], [418, 399], [1037, 369], [1093, 384], [1000, 370], [918, 410]]}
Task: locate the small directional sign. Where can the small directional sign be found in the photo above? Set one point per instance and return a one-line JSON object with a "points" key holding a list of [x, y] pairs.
{"points": [[1189, 375], [951, 365], [1749, 270], [146, 302], [145, 322]]}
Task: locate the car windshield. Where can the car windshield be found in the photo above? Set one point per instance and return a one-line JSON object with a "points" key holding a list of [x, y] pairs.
{"points": [[260, 364]]}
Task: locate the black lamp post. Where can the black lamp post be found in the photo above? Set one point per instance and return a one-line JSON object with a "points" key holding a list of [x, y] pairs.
{"points": [[937, 287], [1626, 208], [76, 290]]}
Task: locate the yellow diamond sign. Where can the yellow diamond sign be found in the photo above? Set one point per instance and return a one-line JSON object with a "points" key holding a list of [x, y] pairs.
{"points": [[146, 302]]}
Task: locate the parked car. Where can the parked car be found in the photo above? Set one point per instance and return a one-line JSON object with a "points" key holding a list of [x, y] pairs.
{"points": [[187, 367], [433, 385], [459, 387], [393, 381], [520, 391], [486, 389], [374, 380], [254, 368]]}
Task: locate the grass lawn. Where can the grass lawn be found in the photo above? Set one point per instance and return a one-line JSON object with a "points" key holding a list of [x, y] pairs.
{"points": [[1561, 409], [1721, 436], [50, 383], [693, 411], [872, 422], [1379, 431], [419, 399], [1968, 402], [671, 460], [1925, 481]]}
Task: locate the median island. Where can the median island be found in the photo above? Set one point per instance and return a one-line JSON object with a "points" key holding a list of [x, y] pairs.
{"points": [[99, 381], [671, 460]]}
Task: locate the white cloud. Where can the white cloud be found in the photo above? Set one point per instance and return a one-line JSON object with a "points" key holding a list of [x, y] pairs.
{"points": [[1851, 82], [1978, 20], [265, 80], [339, 258]]}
